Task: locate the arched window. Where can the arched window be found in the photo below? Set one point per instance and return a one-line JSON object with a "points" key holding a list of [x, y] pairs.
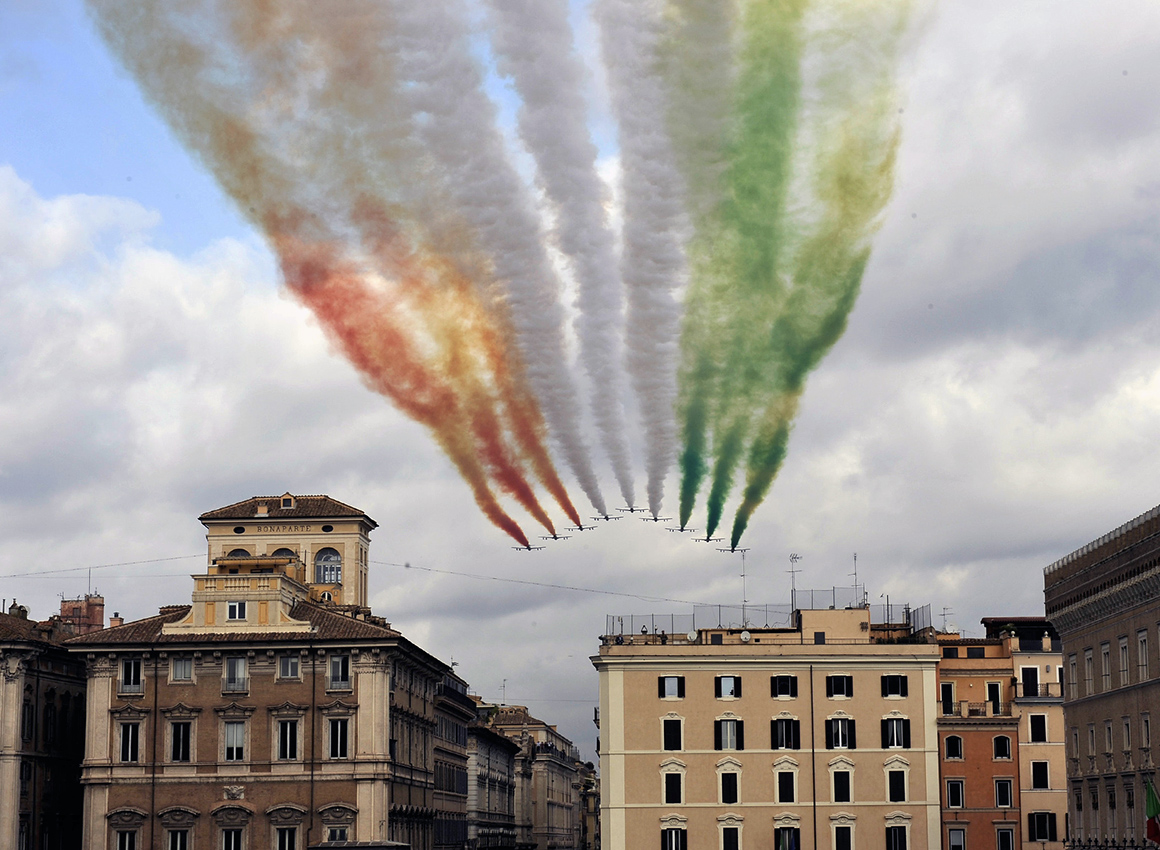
{"points": [[1002, 747], [328, 566], [238, 553], [954, 747], [285, 553]]}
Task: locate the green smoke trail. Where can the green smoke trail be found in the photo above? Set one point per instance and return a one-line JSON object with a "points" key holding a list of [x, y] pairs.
{"points": [[853, 178], [734, 256]]}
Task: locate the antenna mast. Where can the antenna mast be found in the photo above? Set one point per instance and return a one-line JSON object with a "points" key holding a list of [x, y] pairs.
{"points": [[794, 557]]}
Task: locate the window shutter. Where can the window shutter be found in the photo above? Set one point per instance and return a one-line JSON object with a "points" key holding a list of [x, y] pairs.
{"points": [[1031, 834], [1051, 827], [717, 688], [797, 734], [885, 690], [684, 835], [681, 691], [829, 734], [741, 734], [773, 686], [905, 689], [664, 839], [829, 686], [661, 687], [793, 686], [737, 687], [906, 733], [849, 686], [853, 742], [716, 734], [773, 735], [885, 734]]}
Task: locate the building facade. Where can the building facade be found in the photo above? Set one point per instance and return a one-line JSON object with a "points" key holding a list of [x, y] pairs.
{"points": [[454, 712], [42, 713], [491, 795], [273, 711], [1104, 600], [1001, 736], [817, 735]]}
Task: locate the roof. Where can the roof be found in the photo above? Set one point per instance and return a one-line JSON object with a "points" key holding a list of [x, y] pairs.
{"points": [[305, 507], [328, 625], [19, 628]]}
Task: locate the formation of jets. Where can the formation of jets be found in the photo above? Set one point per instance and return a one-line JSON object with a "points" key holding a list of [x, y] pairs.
{"points": [[630, 509]]}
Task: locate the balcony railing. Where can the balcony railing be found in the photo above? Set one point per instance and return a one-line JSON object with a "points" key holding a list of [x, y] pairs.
{"points": [[235, 686], [131, 688], [338, 684], [975, 709], [1044, 690]]}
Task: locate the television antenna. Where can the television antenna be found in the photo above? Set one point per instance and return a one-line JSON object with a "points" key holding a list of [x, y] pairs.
{"points": [[946, 611], [744, 596], [794, 557]]}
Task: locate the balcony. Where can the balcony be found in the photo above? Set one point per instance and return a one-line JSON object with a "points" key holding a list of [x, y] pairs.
{"points": [[131, 688], [236, 686], [340, 685], [1043, 690], [975, 709]]}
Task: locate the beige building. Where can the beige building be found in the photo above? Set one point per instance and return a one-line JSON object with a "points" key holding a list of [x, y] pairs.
{"points": [[1104, 600], [491, 795], [42, 713], [817, 735], [275, 711]]}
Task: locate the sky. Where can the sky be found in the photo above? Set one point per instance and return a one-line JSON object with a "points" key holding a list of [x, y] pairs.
{"points": [[993, 405]]}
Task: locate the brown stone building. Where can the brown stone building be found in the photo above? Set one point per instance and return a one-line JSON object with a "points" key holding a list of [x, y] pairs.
{"points": [[820, 735], [42, 715], [1104, 600], [454, 712], [273, 711], [1001, 737], [491, 795]]}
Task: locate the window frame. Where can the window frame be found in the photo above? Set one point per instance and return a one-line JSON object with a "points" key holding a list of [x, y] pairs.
{"points": [[346, 681], [292, 724], [234, 752], [678, 687], [846, 689], [895, 686], [236, 611], [290, 659], [134, 682], [735, 690], [185, 661], [338, 742], [783, 686], [130, 742], [947, 749], [184, 741], [961, 792], [677, 723], [1031, 730], [995, 756], [1043, 768], [1006, 784]]}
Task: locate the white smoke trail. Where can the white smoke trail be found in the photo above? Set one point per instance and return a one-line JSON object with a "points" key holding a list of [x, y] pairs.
{"points": [[456, 122], [653, 264], [533, 41]]}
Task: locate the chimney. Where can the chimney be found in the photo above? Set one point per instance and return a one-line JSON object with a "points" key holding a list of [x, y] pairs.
{"points": [[15, 610], [116, 620], [263, 509]]}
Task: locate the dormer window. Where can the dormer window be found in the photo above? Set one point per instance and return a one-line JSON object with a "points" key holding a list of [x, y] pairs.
{"points": [[287, 501]]}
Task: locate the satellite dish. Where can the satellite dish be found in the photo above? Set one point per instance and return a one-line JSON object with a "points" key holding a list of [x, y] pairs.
{"points": [[692, 636], [745, 637]]}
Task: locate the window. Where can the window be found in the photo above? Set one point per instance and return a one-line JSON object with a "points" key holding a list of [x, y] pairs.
{"points": [[27, 721], [674, 783], [1005, 839], [236, 610], [1087, 672], [786, 780], [727, 687], [842, 786], [728, 734], [895, 733], [950, 652], [840, 734], [1072, 677], [131, 676], [1003, 793], [947, 697], [1127, 734], [1002, 747], [957, 839], [288, 667], [235, 675], [783, 686], [820, 638], [672, 734], [954, 746], [338, 736], [287, 740], [976, 652], [328, 566], [1145, 731], [954, 793], [896, 780], [1142, 655], [894, 686], [729, 790], [896, 838], [786, 734], [787, 836], [1107, 736], [1091, 739], [1038, 728], [671, 687], [336, 833], [1039, 778], [231, 839], [674, 839], [126, 839], [235, 740], [730, 838], [1041, 826], [839, 686], [287, 838], [339, 672], [130, 733], [1124, 661], [181, 669], [179, 736], [1075, 742], [1106, 666], [177, 839]]}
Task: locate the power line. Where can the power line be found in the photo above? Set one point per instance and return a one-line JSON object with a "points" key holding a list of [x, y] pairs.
{"points": [[101, 566], [538, 583]]}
